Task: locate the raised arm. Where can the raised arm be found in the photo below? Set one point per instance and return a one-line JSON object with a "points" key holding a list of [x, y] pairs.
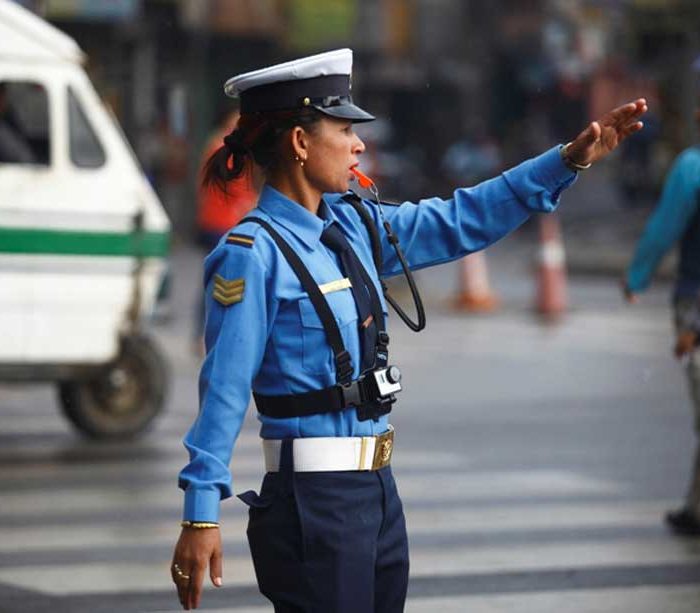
{"points": [[434, 230]]}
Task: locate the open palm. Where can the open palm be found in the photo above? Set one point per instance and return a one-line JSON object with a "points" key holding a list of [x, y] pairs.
{"points": [[603, 136]]}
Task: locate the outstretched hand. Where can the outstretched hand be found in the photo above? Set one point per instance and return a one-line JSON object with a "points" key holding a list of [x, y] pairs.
{"points": [[630, 296], [602, 136]]}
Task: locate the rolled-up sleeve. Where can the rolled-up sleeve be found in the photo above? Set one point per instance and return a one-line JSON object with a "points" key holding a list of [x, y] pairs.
{"points": [[434, 230], [235, 337]]}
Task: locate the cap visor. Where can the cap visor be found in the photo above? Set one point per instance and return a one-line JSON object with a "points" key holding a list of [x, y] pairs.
{"points": [[346, 111]]}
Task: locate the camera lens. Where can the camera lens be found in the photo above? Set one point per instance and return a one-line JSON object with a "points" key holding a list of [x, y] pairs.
{"points": [[393, 374]]}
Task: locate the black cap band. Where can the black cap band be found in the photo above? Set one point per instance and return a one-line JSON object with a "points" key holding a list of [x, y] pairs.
{"points": [[288, 95]]}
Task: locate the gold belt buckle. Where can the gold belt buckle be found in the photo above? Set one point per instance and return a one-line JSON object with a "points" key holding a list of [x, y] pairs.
{"points": [[383, 447]]}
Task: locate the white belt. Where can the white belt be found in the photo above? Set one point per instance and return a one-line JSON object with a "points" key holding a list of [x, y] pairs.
{"points": [[322, 454]]}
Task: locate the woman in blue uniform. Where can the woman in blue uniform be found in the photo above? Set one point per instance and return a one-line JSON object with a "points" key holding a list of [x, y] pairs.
{"points": [[296, 313]]}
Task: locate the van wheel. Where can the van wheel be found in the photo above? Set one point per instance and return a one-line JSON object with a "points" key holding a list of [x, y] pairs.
{"points": [[122, 398]]}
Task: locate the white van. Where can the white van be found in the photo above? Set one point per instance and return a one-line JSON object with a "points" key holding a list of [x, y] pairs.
{"points": [[83, 237]]}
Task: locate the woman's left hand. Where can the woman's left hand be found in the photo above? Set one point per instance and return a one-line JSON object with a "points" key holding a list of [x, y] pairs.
{"points": [[604, 135]]}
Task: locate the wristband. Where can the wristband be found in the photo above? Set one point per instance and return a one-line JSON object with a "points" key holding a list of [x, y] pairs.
{"points": [[570, 164], [198, 524]]}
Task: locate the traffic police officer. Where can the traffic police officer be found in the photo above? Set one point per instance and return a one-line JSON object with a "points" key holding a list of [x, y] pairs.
{"points": [[296, 313]]}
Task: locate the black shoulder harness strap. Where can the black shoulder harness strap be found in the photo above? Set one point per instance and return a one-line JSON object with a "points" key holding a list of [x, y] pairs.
{"points": [[356, 202], [343, 363], [346, 392]]}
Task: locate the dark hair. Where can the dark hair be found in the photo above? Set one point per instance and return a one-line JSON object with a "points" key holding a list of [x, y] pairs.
{"points": [[257, 137]]}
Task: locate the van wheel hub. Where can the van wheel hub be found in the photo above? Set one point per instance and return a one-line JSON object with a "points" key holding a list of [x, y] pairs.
{"points": [[121, 399]]}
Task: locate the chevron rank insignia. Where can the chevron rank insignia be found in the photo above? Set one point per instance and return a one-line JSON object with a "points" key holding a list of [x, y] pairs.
{"points": [[240, 239], [228, 292]]}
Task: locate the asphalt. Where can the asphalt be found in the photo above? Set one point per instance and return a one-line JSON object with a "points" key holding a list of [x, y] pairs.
{"points": [[535, 461]]}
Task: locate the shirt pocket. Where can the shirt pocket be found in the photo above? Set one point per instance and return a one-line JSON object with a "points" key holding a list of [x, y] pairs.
{"points": [[317, 355]]}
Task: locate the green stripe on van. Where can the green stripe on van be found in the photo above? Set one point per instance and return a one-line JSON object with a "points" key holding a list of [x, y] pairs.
{"points": [[70, 242]]}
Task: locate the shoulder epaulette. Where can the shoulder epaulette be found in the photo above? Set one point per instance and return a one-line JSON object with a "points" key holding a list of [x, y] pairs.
{"points": [[243, 240]]}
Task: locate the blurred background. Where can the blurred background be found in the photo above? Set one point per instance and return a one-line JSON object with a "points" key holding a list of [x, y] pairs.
{"points": [[535, 461], [460, 86]]}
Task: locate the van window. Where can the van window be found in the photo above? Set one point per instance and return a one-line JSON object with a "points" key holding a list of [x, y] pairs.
{"points": [[85, 149], [24, 123]]}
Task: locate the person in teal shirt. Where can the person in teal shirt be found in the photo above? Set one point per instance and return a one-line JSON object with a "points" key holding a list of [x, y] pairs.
{"points": [[327, 531], [676, 221]]}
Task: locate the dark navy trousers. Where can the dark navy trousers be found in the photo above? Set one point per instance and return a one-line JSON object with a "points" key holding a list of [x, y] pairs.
{"points": [[329, 542]]}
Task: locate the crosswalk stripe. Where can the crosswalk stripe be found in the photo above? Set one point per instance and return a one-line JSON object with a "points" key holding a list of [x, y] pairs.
{"points": [[113, 577], [20, 446], [432, 521], [676, 599], [461, 521], [430, 562], [244, 463], [455, 487], [135, 577]]}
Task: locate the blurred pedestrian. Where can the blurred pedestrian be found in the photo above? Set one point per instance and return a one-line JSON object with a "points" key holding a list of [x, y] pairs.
{"points": [[676, 221], [219, 210], [295, 312]]}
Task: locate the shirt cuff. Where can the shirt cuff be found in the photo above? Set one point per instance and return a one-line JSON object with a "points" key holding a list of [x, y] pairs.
{"points": [[202, 505], [538, 182]]}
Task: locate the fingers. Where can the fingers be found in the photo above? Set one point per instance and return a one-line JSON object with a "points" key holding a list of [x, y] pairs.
{"points": [[593, 132], [182, 590], [195, 550], [589, 136], [623, 114], [627, 293], [181, 578], [631, 108], [216, 568], [631, 297], [580, 148], [194, 591], [631, 128]]}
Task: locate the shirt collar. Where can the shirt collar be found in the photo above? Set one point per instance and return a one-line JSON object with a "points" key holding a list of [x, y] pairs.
{"points": [[294, 217]]}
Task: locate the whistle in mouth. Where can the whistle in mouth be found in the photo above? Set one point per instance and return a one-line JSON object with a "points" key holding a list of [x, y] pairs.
{"points": [[364, 181]]}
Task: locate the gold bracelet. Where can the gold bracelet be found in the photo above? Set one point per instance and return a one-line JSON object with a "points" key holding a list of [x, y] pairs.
{"points": [[186, 523], [570, 164]]}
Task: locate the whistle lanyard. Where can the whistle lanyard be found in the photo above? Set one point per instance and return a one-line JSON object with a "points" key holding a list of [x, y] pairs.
{"points": [[356, 203]]}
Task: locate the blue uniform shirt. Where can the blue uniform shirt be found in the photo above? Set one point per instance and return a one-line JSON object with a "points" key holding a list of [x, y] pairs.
{"points": [[270, 339], [676, 209]]}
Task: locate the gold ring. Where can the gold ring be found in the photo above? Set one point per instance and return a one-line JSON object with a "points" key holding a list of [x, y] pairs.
{"points": [[180, 575]]}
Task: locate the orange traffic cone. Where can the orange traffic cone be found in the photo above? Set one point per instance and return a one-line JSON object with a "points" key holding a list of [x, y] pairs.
{"points": [[551, 300], [475, 293]]}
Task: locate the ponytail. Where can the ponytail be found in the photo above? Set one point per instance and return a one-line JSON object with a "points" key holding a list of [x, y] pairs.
{"points": [[226, 163], [256, 139]]}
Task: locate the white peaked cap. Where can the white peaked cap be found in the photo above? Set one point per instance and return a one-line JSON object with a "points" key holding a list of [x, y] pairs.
{"points": [[320, 65], [321, 81]]}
